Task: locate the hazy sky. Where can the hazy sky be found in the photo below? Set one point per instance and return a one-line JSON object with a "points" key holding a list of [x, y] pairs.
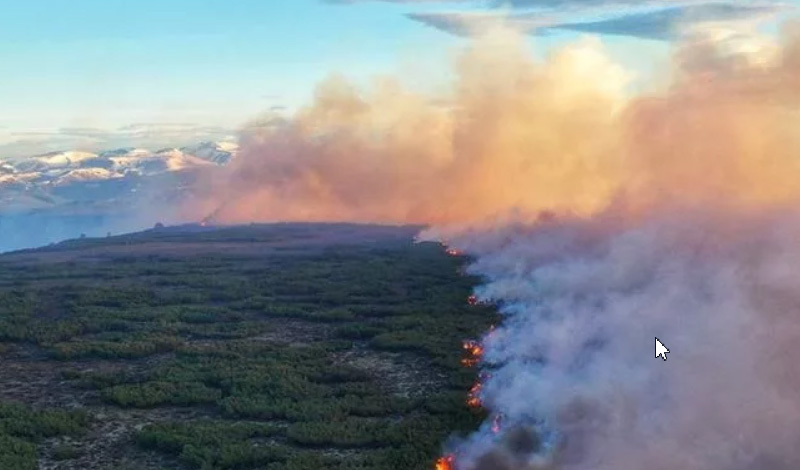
{"points": [[102, 72]]}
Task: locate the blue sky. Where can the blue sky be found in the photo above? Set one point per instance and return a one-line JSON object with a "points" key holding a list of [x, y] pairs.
{"points": [[109, 63], [172, 69]]}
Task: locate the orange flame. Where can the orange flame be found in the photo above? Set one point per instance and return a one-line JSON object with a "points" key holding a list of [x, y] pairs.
{"points": [[445, 463], [450, 251], [474, 352], [474, 400]]}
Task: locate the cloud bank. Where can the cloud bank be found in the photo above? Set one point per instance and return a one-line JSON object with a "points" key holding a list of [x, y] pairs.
{"points": [[15, 144], [662, 24], [655, 20]]}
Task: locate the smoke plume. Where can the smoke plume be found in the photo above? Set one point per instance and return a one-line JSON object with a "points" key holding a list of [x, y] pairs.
{"points": [[573, 361], [672, 213], [559, 134], [512, 133]]}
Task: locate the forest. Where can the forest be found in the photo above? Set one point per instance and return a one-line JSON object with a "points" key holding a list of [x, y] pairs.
{"points": [[288, 346]]}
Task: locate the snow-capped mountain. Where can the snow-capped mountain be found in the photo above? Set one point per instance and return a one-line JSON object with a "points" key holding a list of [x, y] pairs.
{"points": [[220, 153], [144, 162], [6, 168], [68, 167], [105, 182], [52, 161], [84, 174], [45, 198]]}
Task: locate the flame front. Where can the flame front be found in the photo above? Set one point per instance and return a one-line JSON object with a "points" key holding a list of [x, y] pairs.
{"points": [[474, 352], [454, 252], [446, 462], [474, 399]]}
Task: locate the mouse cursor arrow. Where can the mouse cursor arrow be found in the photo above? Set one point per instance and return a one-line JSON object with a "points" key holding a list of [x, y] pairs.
{"points": [[661, 350]]}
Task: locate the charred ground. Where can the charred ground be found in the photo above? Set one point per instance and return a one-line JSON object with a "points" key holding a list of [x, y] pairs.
{"points": [[267, 346]]}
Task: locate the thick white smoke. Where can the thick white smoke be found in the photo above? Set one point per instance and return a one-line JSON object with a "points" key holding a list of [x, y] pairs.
{"points": [[573, 361]]}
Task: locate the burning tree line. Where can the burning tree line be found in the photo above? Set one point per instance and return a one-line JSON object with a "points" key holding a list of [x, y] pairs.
{"points": [[513, 444], [473, 354]]}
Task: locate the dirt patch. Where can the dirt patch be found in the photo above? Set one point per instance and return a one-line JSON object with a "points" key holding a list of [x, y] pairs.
{"points": [[403, 375]]}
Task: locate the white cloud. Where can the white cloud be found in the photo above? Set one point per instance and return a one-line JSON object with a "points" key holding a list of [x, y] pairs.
{"points": [[649, 19], [17, 144]]}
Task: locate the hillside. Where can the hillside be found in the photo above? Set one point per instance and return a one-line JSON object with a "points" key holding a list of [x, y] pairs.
{"points": [[289, 346]]}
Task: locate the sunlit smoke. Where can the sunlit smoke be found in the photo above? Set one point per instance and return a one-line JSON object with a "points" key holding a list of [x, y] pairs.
{"points": [[514, 133], [511, 133]]}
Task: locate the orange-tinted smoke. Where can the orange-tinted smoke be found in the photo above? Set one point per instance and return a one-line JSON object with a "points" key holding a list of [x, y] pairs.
{"points": [[518, 134]]}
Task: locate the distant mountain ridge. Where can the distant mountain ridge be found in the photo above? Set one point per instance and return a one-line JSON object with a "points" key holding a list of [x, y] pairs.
{"points": [[67, 167], [106, 181]]}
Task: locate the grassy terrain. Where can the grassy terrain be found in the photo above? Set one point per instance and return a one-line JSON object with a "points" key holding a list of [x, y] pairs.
{"points": [[257, 347]]}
